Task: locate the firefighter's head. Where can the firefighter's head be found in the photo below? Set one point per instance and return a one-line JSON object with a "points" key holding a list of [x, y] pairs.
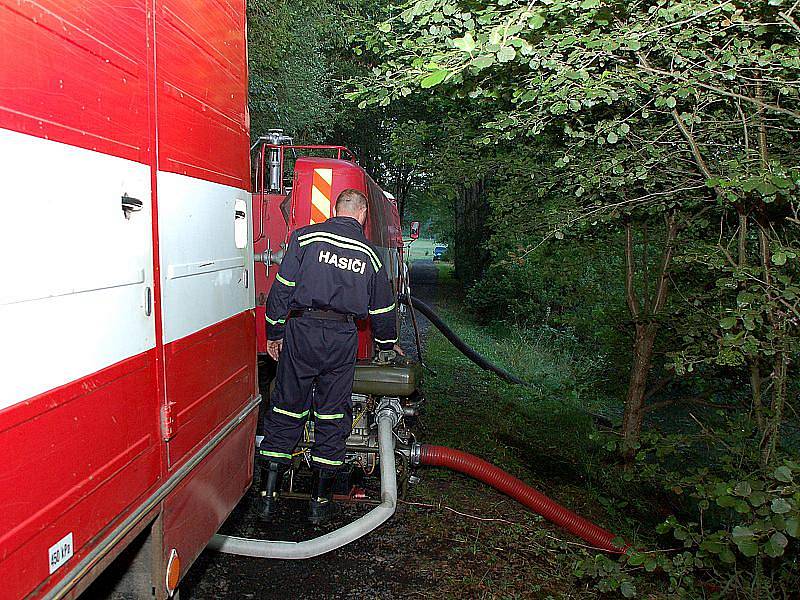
{"points": [[351, 203]]}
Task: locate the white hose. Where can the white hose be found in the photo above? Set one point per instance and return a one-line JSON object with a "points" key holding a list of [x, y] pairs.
{"points": [[342, 536]]}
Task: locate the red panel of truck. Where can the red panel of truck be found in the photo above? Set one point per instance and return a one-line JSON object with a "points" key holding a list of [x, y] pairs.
{"points": [[81, 457], [204, 128]]}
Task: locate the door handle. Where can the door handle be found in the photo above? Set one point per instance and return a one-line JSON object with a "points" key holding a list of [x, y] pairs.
{"points": [[148, 301], [130, 205]]}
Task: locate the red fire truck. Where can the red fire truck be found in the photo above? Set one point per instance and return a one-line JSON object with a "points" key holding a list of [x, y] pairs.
{"points": [[128, 388]]}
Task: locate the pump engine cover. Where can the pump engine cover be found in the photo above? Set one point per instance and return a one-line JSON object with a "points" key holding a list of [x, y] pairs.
{"points": [[400, 378]]}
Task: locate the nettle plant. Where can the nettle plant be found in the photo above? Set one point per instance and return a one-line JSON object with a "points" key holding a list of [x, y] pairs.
{"points": [[767, 510], [751, 510], [735, 525]]}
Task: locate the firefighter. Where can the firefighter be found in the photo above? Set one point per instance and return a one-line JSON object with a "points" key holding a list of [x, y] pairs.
{"points": [[329, 276]]}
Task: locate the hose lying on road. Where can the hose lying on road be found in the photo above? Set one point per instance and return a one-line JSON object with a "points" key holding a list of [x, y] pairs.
{"points": [[387, 419], [453, 338], [468, 464]]}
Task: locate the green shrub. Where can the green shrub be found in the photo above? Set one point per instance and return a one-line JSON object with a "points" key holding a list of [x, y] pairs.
{"points": [[734, 525]]}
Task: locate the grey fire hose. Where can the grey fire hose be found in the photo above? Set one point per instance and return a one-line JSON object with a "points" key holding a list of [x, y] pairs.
{"points": [[388, 415]]}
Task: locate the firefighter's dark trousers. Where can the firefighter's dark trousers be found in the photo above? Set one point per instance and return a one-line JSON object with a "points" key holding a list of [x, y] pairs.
{"points": [[314, 381]]}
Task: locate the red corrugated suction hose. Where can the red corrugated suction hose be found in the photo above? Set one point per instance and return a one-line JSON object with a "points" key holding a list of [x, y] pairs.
{"points": [[463, 462]]}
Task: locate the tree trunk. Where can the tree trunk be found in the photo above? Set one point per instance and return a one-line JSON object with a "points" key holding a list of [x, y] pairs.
{"points": [[772, 429], [742, 240], [643, 343], [643, 314], [470, 232], [755, 390], [771, 422], [402, 187]]}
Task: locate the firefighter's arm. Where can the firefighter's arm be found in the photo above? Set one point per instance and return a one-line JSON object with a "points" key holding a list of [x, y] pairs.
{"points": [[383, 311], [282, 289]]}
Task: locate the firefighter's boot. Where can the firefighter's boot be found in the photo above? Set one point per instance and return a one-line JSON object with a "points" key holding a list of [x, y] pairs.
{"points": [[321, 507], [271, 478]]}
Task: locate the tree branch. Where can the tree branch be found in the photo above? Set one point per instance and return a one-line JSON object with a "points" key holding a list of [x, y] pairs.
{"points": [[658, 386], [630, 292], [661, 291], [788, 18], [687, 135], [711, 88], [648, 301], [700, 15]]}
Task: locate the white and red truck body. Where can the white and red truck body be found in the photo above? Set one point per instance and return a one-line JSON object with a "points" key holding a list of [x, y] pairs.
{"points": [[128, 387]]}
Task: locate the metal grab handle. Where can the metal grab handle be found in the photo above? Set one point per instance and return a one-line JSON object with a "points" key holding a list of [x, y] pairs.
{"points": [[130, 204]]}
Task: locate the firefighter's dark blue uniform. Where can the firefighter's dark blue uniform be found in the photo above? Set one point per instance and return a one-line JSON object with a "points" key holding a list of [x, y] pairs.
{"points": [[329, 270]]}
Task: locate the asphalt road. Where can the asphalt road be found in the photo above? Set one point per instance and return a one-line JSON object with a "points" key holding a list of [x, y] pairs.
{"points": [[424, 275]]}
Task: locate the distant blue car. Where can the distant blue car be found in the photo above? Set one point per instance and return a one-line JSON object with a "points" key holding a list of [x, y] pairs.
{"points": [[439, 252]]}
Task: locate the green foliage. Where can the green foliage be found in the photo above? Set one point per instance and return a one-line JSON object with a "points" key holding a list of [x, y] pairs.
{"points": [[573, 291], [291, 75], [637, 171], [735, 514], [743, 328], [734, 525], [559, 381], [584, 81], [590, 116]]}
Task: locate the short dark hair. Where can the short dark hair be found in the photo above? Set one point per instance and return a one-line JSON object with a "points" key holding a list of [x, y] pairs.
{"points": [[351, 200]]}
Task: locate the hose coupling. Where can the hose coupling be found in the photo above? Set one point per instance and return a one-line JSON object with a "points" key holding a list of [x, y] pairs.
{"points": [[416, 455], [269, 257], [390, 407], [276, 257]]}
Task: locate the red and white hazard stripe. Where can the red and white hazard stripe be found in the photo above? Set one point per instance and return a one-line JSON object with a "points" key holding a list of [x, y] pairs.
{"points": [[321, 189]]}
